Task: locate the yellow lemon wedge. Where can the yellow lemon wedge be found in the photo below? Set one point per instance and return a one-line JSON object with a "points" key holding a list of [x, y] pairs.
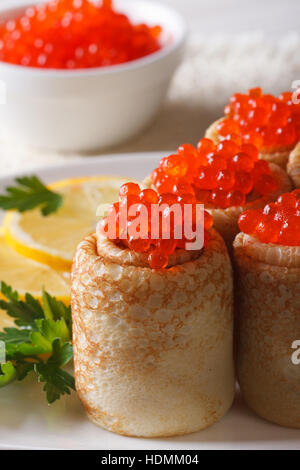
{"points": [[52, 240], [26, 275]]}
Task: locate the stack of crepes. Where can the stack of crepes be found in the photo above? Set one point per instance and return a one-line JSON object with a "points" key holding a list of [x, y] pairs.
{"points": [[153, 319]]}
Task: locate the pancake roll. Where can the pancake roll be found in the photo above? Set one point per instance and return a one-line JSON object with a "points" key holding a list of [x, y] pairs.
{"points": [[293, 167], [153, 348], [270, 122], [272, 155], [226, 220], [268, 324]]}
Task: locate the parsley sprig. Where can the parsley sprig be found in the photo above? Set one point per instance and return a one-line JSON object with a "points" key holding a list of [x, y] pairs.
{"points": [[29, 193], [40, 343]]}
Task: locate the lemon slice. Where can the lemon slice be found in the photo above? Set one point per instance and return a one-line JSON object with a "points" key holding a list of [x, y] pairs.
{"points": [[52, 240], [26, 275]]}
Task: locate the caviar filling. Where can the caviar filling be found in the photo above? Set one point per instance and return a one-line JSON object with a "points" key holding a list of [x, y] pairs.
{"points": [[277, 223], [269, 122], [75, 34], [221, 176], [159, 232]]}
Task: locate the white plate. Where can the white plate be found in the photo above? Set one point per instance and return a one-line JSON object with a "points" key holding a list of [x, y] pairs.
{"points": [[26, 422]]}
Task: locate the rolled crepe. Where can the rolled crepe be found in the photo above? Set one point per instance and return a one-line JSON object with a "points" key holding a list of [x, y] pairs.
{"points": [[293, 167], [152, 349], [226, 220], [280, 158], [268, 322]]}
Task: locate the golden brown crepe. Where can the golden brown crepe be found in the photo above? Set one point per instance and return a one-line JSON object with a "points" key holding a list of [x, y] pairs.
{"points": [[293, 167], [153, 349], [268, 322]]}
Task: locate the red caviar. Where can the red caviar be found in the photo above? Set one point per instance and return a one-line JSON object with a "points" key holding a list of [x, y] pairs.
{"points": [[278, 222], [75, 34], [267, 121], [136, 230], [222, 175]]}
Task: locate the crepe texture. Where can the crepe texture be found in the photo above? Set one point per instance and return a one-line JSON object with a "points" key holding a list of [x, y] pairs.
{"points": [[153, 349], [280, 158], [268, 322], [226, 220], [293, 167]]}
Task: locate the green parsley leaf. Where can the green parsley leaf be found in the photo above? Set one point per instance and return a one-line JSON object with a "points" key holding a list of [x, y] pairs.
{"points": [[24, 313], [23, 369], [62, 354], [55, 309], [7, 374], [38, 345], [28, 194], [41, 344], [51, 330], [14, 335], [57, 381], [8, 292]]}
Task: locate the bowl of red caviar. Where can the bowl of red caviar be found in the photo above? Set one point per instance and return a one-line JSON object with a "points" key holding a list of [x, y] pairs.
{"points": [[81, 75]]}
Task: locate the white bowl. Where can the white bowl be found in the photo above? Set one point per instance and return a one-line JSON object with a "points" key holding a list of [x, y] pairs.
{"points": [[80, 110]]}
